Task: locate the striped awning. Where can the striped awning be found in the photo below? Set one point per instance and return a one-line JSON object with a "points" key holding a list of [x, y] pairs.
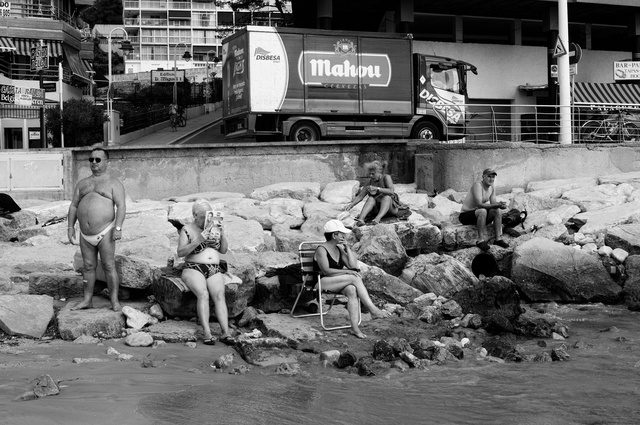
{"points": [[23, 46], [606, 94], [6, 45], [74, 63]]}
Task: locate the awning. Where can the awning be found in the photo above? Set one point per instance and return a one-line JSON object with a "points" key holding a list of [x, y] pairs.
{"points": [[606, 94], [23, 46], [98, 78], [6, 45], [73, 61]]}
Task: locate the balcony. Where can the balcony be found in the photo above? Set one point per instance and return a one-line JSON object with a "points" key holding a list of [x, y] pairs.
{"points": [[39, 11]]}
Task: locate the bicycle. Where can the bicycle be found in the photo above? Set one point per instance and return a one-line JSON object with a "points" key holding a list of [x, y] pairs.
{"points": [[181, 119], [613, 128]]}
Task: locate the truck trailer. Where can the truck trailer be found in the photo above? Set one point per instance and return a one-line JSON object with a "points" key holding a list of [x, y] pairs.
{"points": [[307, 85]]}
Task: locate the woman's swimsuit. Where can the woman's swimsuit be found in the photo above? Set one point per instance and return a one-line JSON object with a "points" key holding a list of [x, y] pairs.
{"points": [[207, 270], [333, 264]]}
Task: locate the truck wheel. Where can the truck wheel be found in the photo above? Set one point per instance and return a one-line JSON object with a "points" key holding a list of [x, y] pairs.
{"points": [[426, 130], [304, 132]]}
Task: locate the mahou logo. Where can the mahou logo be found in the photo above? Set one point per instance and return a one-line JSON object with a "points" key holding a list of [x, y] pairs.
{"points": [[344, 67]]}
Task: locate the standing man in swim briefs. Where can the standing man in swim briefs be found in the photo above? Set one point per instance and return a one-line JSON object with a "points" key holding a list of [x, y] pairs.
{"points": [[480, 208], [99, 206]]}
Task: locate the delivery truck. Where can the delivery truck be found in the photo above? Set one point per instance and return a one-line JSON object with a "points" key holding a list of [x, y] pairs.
{"points": [[307, 85]]}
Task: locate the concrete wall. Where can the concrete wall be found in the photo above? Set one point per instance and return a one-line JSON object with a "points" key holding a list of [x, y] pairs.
{"points": [[457, 166], [160, 172]]}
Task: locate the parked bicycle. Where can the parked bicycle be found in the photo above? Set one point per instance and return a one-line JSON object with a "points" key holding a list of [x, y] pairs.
{"points": [[612, 128]]}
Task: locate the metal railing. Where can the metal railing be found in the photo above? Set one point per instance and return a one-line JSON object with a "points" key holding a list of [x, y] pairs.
{"points": [[42, 11], [491, 123], [142, 120]]}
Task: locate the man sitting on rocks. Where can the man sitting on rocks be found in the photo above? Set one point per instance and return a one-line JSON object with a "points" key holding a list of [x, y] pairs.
{"points": [[480, 208]]}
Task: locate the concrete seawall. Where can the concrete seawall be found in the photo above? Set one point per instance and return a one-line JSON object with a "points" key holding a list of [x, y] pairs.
{"points": [[162, 171]]}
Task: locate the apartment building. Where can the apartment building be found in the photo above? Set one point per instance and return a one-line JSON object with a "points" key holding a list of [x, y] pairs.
{"points": [[162, 30], [28, 83]]}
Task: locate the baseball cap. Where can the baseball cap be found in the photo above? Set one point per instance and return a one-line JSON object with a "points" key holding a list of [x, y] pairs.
{"points": [[335, 226], [489, 172]]}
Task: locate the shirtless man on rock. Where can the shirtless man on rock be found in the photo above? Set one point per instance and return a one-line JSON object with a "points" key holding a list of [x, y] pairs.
{"points": [[481, 208], [99, 207]]}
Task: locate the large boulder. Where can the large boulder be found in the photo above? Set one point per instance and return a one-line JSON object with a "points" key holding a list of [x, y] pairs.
{"points": [[56, 285], [341, 192], [10, 227], [596, 198], [288, 240], [462, 236], [133, 272], [153, 222], [419, 235], [295, 190], [629, 178], [415, 201], [380, 246], [442, 207], [545, 270], [99, 320], [387, 287], [555, 188], [553, 216], [599, 221], [272, 212], [209, 196], [25, 315], [49, 210], [325, 209], [152, 247], [440, 274], [624, 236], [531, 202], [244, 235], [631, 293], [496, 299], [177, 300]]}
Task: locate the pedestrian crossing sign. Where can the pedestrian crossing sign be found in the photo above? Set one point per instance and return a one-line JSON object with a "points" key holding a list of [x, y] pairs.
{"points": [[559, 50]]}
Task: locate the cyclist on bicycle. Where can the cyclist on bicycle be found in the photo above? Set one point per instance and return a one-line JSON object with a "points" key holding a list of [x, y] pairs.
{"points": [[173, 116]]}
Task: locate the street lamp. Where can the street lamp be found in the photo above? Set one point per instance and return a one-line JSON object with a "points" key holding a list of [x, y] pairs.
{"points": [[126, 47], [206, 92], [186, 57]]}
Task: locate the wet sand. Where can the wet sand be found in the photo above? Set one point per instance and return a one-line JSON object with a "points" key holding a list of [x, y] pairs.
{"points": [[599, 384]]}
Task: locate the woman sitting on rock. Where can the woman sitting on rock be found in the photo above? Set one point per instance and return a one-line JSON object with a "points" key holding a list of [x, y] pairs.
{"points": [[382, 199], [201, 272], [338, 268]]}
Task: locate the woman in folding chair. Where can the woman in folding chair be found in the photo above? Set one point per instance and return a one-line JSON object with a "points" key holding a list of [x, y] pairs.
{"points": [[339, 271]]}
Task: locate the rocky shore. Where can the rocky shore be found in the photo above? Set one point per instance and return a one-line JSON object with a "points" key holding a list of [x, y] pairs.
{"points": [[579, 244]]}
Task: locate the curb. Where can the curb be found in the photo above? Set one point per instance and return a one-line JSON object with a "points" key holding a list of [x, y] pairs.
{"points": [[180, 140]]}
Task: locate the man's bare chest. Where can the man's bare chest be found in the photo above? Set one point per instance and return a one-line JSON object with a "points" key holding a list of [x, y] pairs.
{"points": [[99, 187]]}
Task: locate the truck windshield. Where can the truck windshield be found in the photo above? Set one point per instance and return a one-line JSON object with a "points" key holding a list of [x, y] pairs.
{"points": [[446, 79]]}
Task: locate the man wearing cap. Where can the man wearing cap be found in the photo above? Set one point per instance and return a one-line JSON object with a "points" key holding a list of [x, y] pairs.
{"points": [[480, 208], [338, 266]]}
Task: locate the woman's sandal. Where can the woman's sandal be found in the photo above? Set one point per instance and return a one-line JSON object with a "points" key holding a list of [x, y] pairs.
{"points": [[229, 340], [209, 341]]}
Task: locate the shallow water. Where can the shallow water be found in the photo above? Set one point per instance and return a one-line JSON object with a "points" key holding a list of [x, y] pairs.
{"points": [[599, 385]]}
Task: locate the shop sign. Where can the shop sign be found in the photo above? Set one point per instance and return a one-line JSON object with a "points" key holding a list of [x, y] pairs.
{"points": [[626, 71]]}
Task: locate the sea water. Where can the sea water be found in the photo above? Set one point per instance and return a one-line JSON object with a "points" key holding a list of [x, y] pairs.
{"points": [[600, 384]]}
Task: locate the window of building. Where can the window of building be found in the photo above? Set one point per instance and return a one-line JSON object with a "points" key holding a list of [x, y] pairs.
{"points": [[153, 36], [157, 53], [13, 138]]}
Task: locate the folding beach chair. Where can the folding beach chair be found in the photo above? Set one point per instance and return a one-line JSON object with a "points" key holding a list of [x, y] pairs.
{"points": [[311, 281]]}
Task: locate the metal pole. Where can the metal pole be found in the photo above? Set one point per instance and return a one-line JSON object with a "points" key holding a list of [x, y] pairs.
{"points": [[563, 75], [109, 141], [206, 87], [60, 75], [175, 76]]}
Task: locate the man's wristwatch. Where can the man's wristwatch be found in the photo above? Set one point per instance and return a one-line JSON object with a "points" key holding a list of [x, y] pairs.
{"points": [[119, 229]]}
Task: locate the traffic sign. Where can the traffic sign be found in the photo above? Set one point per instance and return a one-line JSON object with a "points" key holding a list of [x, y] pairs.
{"points": [[573, 70], [575, 53], [559, 50]]}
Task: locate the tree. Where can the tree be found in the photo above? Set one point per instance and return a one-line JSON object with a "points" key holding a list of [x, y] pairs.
{"points": [[82, 123], [103, 12]]}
